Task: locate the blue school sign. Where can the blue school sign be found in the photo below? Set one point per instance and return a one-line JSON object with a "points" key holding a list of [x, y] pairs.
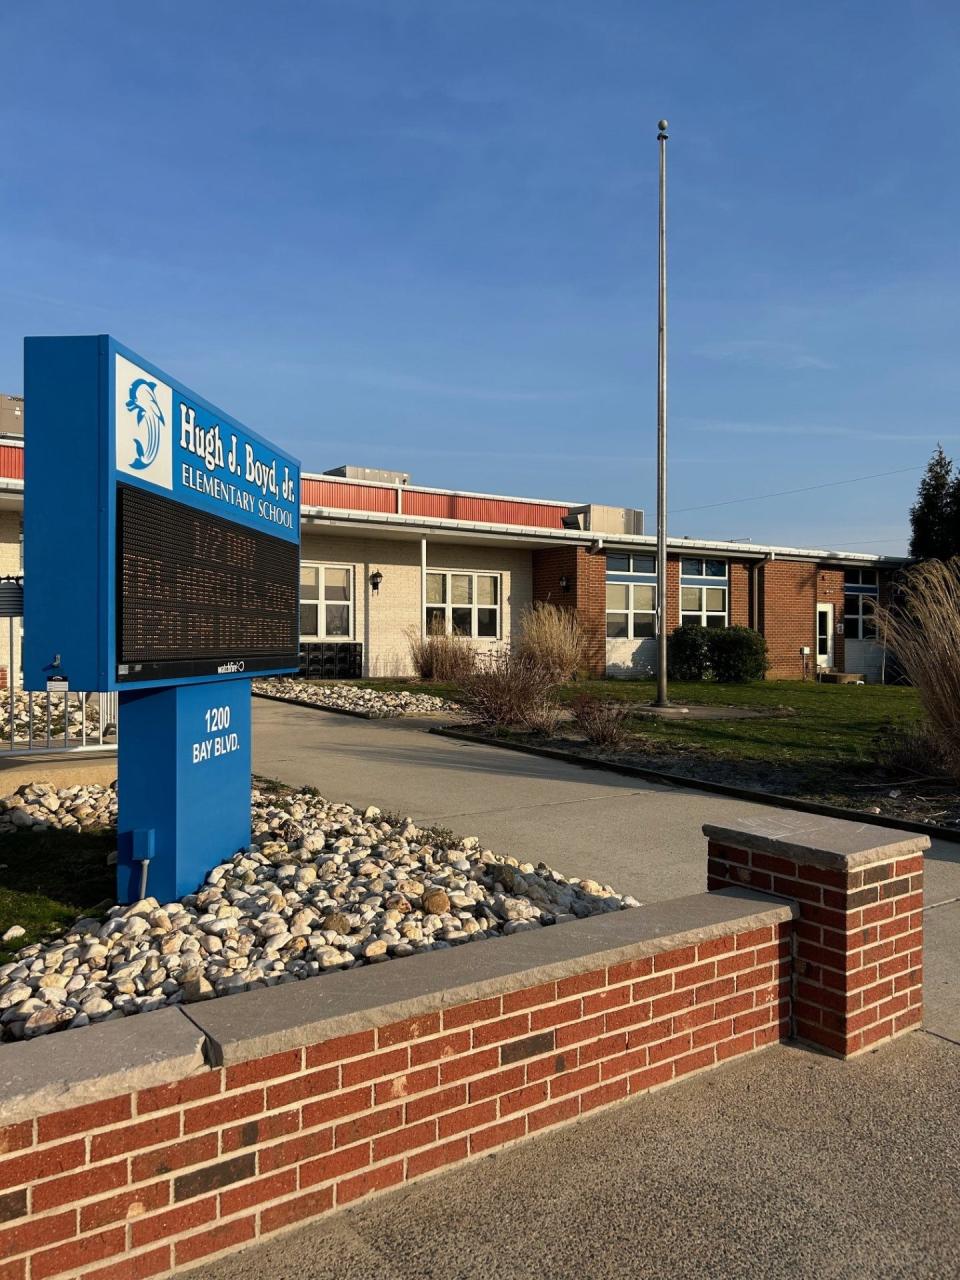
{"points": [[161, 560]]}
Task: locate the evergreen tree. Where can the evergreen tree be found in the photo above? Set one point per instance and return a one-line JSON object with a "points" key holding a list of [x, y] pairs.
{"points": [[932, 517], [953, 510]]}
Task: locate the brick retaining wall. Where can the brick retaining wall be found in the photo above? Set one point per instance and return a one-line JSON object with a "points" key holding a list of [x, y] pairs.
{"points": [[858, 967], [138, 1147]]}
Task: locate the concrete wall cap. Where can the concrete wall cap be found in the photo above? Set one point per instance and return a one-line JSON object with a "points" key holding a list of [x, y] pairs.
{"points": [[272, 1019], [818, 841], [90, 1064]]}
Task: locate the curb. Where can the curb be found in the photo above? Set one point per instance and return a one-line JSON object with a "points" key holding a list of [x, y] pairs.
{"points": [[716, 788]]}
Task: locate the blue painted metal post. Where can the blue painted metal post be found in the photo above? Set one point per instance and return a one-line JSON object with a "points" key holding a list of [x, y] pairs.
{"points": [[184, 769]]}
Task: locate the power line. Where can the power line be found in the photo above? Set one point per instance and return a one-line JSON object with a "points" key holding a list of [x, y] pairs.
{"points": [[831, 484]]}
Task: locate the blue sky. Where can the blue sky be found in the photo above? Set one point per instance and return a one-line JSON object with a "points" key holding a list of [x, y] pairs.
{"points": [[421, 234]]}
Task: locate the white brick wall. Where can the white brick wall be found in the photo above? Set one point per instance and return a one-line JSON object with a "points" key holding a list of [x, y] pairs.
{"points": [[381, 620]]}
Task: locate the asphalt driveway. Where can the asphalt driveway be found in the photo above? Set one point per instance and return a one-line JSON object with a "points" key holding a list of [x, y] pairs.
{"points": [[641, 837]]}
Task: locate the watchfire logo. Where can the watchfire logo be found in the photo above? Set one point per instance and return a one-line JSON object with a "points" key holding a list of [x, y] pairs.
{"points": [[229, 668]]}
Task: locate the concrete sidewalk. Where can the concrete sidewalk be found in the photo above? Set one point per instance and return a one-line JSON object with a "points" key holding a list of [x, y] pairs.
{"points": [[785, 1164], [641, 837]]}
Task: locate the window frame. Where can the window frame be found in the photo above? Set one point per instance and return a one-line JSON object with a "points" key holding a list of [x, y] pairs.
{"points": [[474, 606], [632, 612], [864, 594], [703, 581], [321, 602]]}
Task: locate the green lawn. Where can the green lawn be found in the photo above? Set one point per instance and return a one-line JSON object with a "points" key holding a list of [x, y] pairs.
{"points": [[810, 724], [48, 879]]}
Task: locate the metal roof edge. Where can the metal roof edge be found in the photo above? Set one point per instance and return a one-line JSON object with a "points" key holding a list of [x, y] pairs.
{"points": [[423, 488], [746, 550]]}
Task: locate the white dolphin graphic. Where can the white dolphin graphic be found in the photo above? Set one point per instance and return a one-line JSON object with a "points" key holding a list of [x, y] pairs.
{"points": [[142, 401]]}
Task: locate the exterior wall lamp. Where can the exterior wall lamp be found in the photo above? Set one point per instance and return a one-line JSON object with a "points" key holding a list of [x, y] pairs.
{"points": [[564, 583], [375, 579]]}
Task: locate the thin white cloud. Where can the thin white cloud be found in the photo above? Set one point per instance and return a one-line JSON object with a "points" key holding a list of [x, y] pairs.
{"points": [[774, 429], [763, 351]]}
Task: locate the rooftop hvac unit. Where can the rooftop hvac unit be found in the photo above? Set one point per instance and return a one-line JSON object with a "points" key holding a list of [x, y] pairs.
{"points": [[596, 518], [373, 474]]}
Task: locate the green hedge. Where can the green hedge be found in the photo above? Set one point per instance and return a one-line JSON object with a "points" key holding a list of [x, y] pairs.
{"points": [[730, 655]]}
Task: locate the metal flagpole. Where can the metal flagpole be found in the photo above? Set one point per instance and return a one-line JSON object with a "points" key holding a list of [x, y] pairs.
{"points": [[662, 700]]}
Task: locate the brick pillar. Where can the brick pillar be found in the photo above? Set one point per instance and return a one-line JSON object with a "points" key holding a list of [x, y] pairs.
{"points": [[858, 961], [586, 575]]}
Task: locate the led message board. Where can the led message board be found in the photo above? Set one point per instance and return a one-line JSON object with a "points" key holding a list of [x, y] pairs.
{"points": [[195, 590], [161, 537]]}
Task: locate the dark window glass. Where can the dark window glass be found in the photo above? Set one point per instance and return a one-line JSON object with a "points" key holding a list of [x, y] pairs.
{"points": [[436, 622], [715, 569], [851, 605], [617, 626], [642, 626], [618, 564], [716, 620], [868, 577], [644, 564], [338, 620], [691, 568], [462, 621], [308, 619], [487, 622]]}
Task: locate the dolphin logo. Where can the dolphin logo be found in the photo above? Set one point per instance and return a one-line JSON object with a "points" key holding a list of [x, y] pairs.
{"points": [[142, 401]]}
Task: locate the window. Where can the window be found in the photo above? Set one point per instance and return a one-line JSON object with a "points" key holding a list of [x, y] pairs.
{"points": [[706, 605], [859, 602], [631, 610], [703, 592], [326, 602], [692, 568], [463, 604], [631, 564]]}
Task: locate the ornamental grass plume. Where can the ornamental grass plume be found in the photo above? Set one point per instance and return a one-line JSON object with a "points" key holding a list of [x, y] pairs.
{"points": [[553, 638], [921, 627]]}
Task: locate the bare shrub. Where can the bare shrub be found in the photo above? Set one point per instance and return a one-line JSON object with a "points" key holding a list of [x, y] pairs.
{"points": [[922, 627], [437, 656], [910, 750], [553, 637], [545, 719], [602, 721], [509, 689]]}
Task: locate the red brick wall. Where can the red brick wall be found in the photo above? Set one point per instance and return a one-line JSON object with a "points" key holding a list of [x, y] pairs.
{"points": [[858, 966], [587, 593], [740, 605], [143, 1183], [788, 618], [789, 594]]}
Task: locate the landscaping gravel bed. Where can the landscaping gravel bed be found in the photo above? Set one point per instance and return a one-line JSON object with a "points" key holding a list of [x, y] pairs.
{"points": [[322, 887], [378, 704], [41, 805]]}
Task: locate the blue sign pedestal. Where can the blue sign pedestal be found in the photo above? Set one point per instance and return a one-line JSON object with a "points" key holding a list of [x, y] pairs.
{"points": [[184, 769]]}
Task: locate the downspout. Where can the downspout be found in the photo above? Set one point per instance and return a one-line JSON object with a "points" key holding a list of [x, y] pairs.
{"points": [[423, 584]]}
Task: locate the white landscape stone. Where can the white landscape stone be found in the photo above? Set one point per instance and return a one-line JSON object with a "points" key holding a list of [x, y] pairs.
{"points": [[379, 704], [321, 887]]}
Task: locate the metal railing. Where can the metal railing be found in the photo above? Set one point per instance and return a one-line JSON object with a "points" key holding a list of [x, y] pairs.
{"points": [[44, 722]]}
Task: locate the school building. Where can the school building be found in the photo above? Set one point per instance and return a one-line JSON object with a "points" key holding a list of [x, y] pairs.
{"points": [[384, 559]]}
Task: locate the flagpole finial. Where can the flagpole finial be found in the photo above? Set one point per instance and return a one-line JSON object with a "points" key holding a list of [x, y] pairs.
{"points": [[662, 125]]}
